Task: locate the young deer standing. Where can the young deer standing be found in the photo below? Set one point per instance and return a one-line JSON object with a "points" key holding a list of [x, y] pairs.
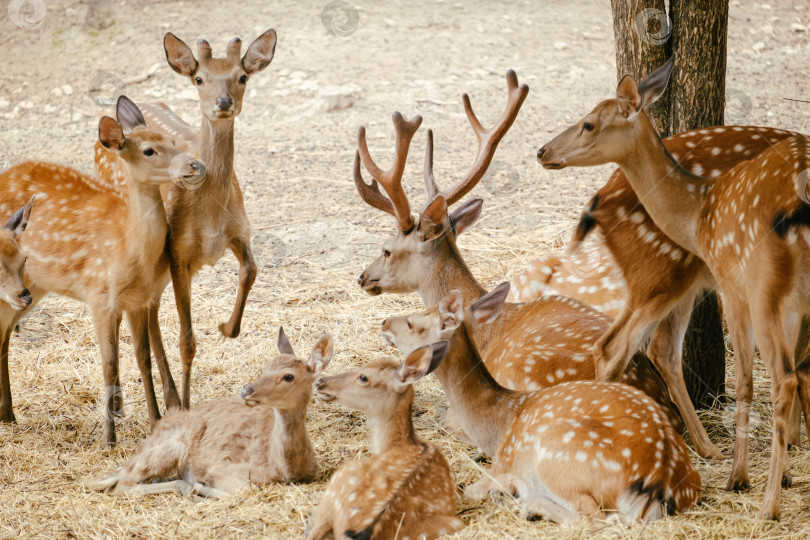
{"points": [[657, 271], [99, 246], [210, 218], [531, 345], [225, 445], [405, 490], [749, 227], [568, 450]]}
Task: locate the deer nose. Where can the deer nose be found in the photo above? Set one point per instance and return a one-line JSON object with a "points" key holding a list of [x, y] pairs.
{"points": [[224, 103], [25, 297], [361, 279], [319, 383], [248, 390], [540, 153]]}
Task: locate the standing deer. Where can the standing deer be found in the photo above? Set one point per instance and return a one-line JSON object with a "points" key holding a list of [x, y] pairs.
{"points": [[531, 345], [656, 270], [209, 219], [748, 226], [405, 490], [99, 246], [568, 450], [225, 445]]}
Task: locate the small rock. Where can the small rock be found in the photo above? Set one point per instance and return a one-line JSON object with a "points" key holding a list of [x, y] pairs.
{"points": [[767, 29], [336, 98], [758, 46], [390, 22], [50, 108], [477, 73], [27, 104], [796, 27], [4, 103], [594, 36], [309, 86], [766, 7], [56, 91], [67, 89], [77, 116], [298, 75], [560, 45]]}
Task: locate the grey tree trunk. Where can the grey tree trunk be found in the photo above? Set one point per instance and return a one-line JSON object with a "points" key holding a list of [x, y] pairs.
{"points": [[646, 35]]}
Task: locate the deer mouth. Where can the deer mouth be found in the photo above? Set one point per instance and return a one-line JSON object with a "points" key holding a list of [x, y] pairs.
{"points": [[552, 165], [324, 395], [388, 338]]}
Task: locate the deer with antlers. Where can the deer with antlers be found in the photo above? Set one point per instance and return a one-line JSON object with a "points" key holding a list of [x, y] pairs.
{"points": [[225, 445], [567, 451], [207, 218], [405, 490], [100, 246], [748, 226], [531, 345]]}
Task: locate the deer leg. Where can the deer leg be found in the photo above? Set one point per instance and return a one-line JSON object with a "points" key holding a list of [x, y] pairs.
{"points": [[181, 281], [319, 525], [170, 396], [613, 351], [138, 490], [770, 337], [247, 275], [107, 324], [666, 352], [739, 328], [138, 321], [6, 408], [803, 373]]}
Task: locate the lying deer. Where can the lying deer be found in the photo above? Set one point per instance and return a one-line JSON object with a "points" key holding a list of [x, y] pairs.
{"points": [[748, 226], [99, 246], [210, 218], [567, 451], [532, 345], [225, 445], [405, 490]]}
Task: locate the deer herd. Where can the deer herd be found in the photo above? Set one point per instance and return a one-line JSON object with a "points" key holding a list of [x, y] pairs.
{"points": [[575, 390]]}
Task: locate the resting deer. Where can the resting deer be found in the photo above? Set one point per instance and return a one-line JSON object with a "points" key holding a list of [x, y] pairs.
{"points": [[656, 270], [225, 445], [567, 451], [531, 345], [748, 226], [209, 219], [405, 490], [99, 246]]}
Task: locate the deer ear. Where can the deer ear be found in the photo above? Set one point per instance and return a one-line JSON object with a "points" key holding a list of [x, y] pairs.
{"points": [[654, 85], [110, 133], [628, 96], [418, 364], [284, 346], [451, 311], [466, 215], [321, 354], [433, 220], [19, 219], [487, 308], [128, 114], [260, 53], [179, 55]]}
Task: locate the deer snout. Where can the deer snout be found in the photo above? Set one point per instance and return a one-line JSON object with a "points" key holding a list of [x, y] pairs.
{"points": [[25, 297], [540, 153], [247, 391], [224, 103], [371, 286], [319, 383]]}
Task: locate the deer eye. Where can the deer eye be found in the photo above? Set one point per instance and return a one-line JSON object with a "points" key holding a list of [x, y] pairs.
{"points": [[362, 378], [243, 79], [587, 126], [410, 326], [148, 152], [386, 253], [198, 81], [289, 377]]}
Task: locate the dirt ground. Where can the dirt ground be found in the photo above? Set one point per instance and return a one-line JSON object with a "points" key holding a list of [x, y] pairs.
{"points": [[295, 141]]}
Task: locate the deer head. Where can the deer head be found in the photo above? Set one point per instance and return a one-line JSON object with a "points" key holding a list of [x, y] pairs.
{"points": [[220, 82], [286, 381], [150, 156], [420, 243], [12, 260]]}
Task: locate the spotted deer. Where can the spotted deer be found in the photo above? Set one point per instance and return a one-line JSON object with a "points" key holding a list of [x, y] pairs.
{"points": [[405, 490], [209, 217], [99, 246], [531, 345], [656, 270], [567, 451], [748, 226], [225, 445]]}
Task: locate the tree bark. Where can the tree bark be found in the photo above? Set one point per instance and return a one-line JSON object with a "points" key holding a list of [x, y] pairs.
{"points": [[646, 35]]}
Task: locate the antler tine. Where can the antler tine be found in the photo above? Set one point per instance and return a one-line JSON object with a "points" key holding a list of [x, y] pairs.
{"points": [[391, 180], [370, 193], [488, 140], [430, 182]]}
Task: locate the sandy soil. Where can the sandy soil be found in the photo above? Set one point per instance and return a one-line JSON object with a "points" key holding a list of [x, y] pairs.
{"points": [[313, 235]]}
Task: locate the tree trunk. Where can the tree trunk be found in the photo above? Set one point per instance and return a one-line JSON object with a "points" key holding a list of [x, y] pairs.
{"points": [[645, 38]]}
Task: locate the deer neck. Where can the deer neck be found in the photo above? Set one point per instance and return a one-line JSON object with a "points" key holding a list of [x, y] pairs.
{"points": [[394, 427], [146, 219], [216, 151], [291, 449], [671, 196], [484, 408], [449, 272]]}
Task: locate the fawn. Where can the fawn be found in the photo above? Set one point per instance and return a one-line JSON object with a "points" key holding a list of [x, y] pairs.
{"points": [[568, 450], [405, 490], [531, 345], [748, 226], [99, 246], [224, 445], [209, 218]]}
